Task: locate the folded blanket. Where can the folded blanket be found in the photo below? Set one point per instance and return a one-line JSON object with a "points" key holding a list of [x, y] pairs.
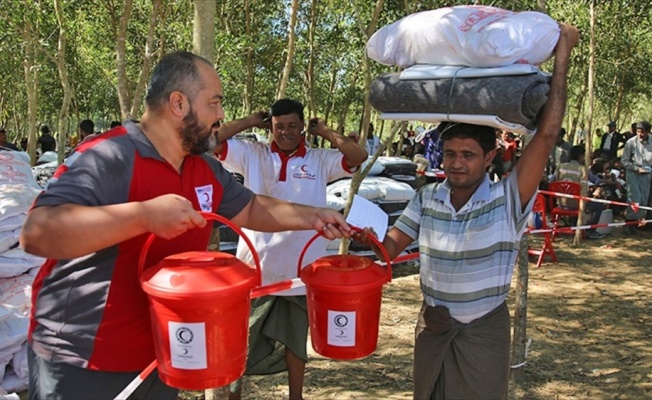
{"points": [[514, 99], [475, 119]]}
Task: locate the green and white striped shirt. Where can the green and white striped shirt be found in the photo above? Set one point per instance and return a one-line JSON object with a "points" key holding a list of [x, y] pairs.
{"points": [[467, 257]]}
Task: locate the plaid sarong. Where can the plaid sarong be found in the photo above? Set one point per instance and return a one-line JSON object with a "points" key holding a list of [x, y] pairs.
{"points": [[461, 361], [274, 323]]}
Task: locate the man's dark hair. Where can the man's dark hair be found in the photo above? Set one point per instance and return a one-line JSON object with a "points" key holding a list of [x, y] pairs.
{"points": [[87, 126], [597, 168], [562, 132], [115, 123], [644, 125], [484, 135], [285, 107], [175, 72], [576, 152], [45, 129]]}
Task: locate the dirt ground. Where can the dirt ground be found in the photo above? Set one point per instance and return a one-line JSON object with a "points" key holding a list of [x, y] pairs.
{"points": [[589, 321]]}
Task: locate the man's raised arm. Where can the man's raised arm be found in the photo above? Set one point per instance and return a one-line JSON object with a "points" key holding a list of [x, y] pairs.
{"points": [[530, 166]]}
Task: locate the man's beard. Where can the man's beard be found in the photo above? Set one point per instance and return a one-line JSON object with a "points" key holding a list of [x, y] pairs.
{"points": [[197, 138]]}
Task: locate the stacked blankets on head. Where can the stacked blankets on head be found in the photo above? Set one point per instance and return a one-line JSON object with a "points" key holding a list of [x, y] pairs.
{"points": [[515, 99], [474, 64], [18, 189]]}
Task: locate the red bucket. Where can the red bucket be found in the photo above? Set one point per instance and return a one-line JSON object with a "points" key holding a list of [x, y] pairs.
{"points": [[199, 310], [344, 294]]}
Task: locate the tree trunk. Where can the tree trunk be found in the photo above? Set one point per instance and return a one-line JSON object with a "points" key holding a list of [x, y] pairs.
{"points": [[519, 339], [65, 83], [290, 51], [31, 82], [310, 74], [579, 109], [203, 45], [331, 89], [620, 96], [356, 181], [249, 84], [148, 59], [366, 33], [203, 33], [577, 240], [341, 121], [121, 61]]}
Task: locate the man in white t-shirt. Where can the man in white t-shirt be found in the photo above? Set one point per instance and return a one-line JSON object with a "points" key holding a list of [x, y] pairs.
{"points": [[287, 169]]}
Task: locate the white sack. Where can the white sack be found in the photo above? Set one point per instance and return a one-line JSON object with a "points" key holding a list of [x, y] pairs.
{"points": [[4, 313], [335, 203], [16, 294], [475, 36], [368, 189], [15, 262], [16, 199], [394, 190], [15, 169], [12, 223], [12, 383], [19, 362], [13, 332], [376, 169], [9, 239]]}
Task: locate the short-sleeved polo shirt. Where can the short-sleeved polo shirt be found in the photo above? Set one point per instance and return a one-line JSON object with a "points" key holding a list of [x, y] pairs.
{"points": [[467, 257], [90, 312], [298, 178]]}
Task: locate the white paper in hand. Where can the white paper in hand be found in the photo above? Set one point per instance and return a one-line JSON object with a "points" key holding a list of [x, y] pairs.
{"points": [[365, 214]]}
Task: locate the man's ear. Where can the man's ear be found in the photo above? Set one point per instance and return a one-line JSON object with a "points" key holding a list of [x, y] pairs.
{"points": [[489, 157], [178, 104]]}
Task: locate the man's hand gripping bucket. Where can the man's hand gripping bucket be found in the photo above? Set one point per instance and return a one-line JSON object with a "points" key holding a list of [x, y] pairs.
{"points": [[344, 294], [199, 309]]}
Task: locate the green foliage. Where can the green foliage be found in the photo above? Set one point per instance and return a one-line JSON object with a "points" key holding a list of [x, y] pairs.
{"points": [[623, 48]]}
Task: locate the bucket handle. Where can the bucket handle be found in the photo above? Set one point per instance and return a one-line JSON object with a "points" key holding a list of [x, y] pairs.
{"points": [[214, 217], [355, 228]]}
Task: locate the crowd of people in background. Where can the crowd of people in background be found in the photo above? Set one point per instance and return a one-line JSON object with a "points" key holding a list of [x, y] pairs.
{"points": [[47, 143], [619, 168]]}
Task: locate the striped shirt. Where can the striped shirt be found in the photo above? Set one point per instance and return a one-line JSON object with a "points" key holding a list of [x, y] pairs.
{"points": [[467, 257]]}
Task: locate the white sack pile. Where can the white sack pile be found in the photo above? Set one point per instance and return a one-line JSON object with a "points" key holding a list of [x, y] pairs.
{"points": [[18, 189]]}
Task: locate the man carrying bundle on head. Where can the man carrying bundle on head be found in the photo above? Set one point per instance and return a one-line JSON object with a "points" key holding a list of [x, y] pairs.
{"points": [[469, 231]]}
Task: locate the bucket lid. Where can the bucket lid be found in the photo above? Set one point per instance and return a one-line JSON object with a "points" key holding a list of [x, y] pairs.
{"points": [[198, 274], [344, 271]]}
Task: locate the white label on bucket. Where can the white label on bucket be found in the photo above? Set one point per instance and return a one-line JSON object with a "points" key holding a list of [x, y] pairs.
{"points": [[187, 345], [341, 328]]}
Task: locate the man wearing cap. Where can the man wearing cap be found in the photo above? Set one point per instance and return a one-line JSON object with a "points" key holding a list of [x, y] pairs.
{"points": [[637, 159], [611, 142], [4, 144]]}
